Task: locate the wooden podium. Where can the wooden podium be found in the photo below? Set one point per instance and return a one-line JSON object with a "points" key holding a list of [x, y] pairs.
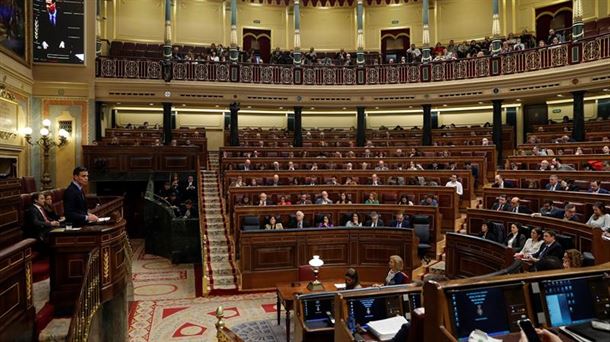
{"points": [[70, 252]]}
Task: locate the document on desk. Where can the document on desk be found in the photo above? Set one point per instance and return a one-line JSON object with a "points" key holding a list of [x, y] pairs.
{"points": [[386, 329], [103, 219]]}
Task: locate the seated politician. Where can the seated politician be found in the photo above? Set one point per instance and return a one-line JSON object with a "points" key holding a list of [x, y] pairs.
{"points": [[37, 223], [395, 274], [75, 204]]}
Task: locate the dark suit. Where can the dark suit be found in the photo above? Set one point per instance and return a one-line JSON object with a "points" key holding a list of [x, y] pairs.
{"points": [[488, 236], [75, 206], [36, 226], [555, 249], [398, 278], [403, 224], [189, 191], [264, 203], [555, 212], [370, 222], [600, 191], [293, 224], [53, 33], [521, 210], [505, 207], [549, 187]]}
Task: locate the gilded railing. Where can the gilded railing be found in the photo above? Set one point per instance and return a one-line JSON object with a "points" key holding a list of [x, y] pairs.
{"points": [[88, 300], [224, 334], [586, 50]]}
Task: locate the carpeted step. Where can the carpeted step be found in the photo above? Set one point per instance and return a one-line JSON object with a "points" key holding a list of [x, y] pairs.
{"points": [[44, 316], [56, 330]]}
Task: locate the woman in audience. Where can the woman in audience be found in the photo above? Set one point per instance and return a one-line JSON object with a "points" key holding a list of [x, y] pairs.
{"points": [[273, 224], [486, 233], [599, 218], [52, 215], [572, 259], [283, 201], [343, 199], [515, 239], [532, 245], [325, 223], [404, 200], [372, 199], [354, 222], [395, 274], [351, 279]]}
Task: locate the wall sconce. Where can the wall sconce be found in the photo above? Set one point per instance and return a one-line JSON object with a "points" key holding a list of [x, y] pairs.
{"points": [[316, 263], [46, 143]]}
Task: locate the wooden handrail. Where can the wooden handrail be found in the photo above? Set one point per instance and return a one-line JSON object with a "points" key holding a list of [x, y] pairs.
{"points": [[88, 300]]}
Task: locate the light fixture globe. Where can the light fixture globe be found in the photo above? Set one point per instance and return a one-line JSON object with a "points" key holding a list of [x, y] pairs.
{"points": [[27, 130], [46, 123], [44, 131], [63, 133], [316, 263]]}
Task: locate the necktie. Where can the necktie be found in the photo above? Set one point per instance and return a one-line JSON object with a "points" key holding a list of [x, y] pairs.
{"points": [[499, 208], [300, 225], [44, 215], [374, 225], [398, 225]]}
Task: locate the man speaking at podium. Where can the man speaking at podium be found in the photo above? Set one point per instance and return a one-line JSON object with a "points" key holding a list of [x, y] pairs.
{"points": [[75, 204]]}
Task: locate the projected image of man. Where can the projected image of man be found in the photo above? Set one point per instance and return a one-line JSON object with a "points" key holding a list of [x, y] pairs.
{"points": [[52, 28]]}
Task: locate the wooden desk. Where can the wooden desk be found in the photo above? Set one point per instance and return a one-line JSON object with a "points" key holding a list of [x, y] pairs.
{"points": [[286, 291], [489, 152], [470, 256], [533, 162], [70, 252], [141, 158], [520, 178], [270, 256], [448, 200]]}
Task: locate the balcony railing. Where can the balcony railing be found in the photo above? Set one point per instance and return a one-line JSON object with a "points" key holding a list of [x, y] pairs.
{"points": [[587, 50]]}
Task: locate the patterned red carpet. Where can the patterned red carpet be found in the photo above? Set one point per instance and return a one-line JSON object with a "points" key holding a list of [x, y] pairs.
{"points": [[167, 309]]}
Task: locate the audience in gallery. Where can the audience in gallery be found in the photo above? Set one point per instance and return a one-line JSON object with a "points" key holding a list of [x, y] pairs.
{"points": [[413, 54]]}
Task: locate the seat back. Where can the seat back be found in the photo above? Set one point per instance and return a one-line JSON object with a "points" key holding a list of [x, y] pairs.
{"points": [[498, 229], [250, 223], [565, 241], [423, 232], [28, 184]]}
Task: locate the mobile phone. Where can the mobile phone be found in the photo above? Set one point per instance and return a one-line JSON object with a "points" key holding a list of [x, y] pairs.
{"points": [[528, 329]]}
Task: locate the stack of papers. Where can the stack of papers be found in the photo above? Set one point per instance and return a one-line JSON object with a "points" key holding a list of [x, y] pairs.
{"points": [[386, 329]]}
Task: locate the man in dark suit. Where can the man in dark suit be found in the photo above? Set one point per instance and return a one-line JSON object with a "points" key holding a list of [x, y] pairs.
{"points": [[299, 221], [52, 28], [553, 183], [400, 221], [501, 204], [374, 222], [75, 204], [37, 223], [516, 207], [550, 248], [247, 166], [550, 210], [596, 189], [189, 211], [263, 201], [189, 189], [500, 184]]}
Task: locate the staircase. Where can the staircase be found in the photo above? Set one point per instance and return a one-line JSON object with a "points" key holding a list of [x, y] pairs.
{"points": [[219, 262]]}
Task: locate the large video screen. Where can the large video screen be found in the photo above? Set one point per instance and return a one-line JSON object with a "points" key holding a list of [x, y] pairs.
{"points": [[59, 31]]}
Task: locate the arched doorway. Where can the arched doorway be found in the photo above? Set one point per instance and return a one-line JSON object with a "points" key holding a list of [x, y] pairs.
{"points": [[557, 17], [259, 41], [394, 43]]}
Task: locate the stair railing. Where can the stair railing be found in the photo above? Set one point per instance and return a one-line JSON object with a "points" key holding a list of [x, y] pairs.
{"points": [[88, 300]]}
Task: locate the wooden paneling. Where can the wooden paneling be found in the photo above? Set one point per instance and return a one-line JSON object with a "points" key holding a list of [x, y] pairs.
{"points": [[533, 162], [469, 256], [141, 158], [268, 257]]}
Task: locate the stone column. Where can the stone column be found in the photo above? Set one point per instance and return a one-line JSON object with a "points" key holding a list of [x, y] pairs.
{"points": [[167, 123], [360, 33], [234, 108], [298, 127], [233, 52], [98, 119], [497, 129], [167, 47], [98, 28], [360, 126], [496, 43], [578, 130], [427, 125], [578, 31], [426, 32], [297, 60]]}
